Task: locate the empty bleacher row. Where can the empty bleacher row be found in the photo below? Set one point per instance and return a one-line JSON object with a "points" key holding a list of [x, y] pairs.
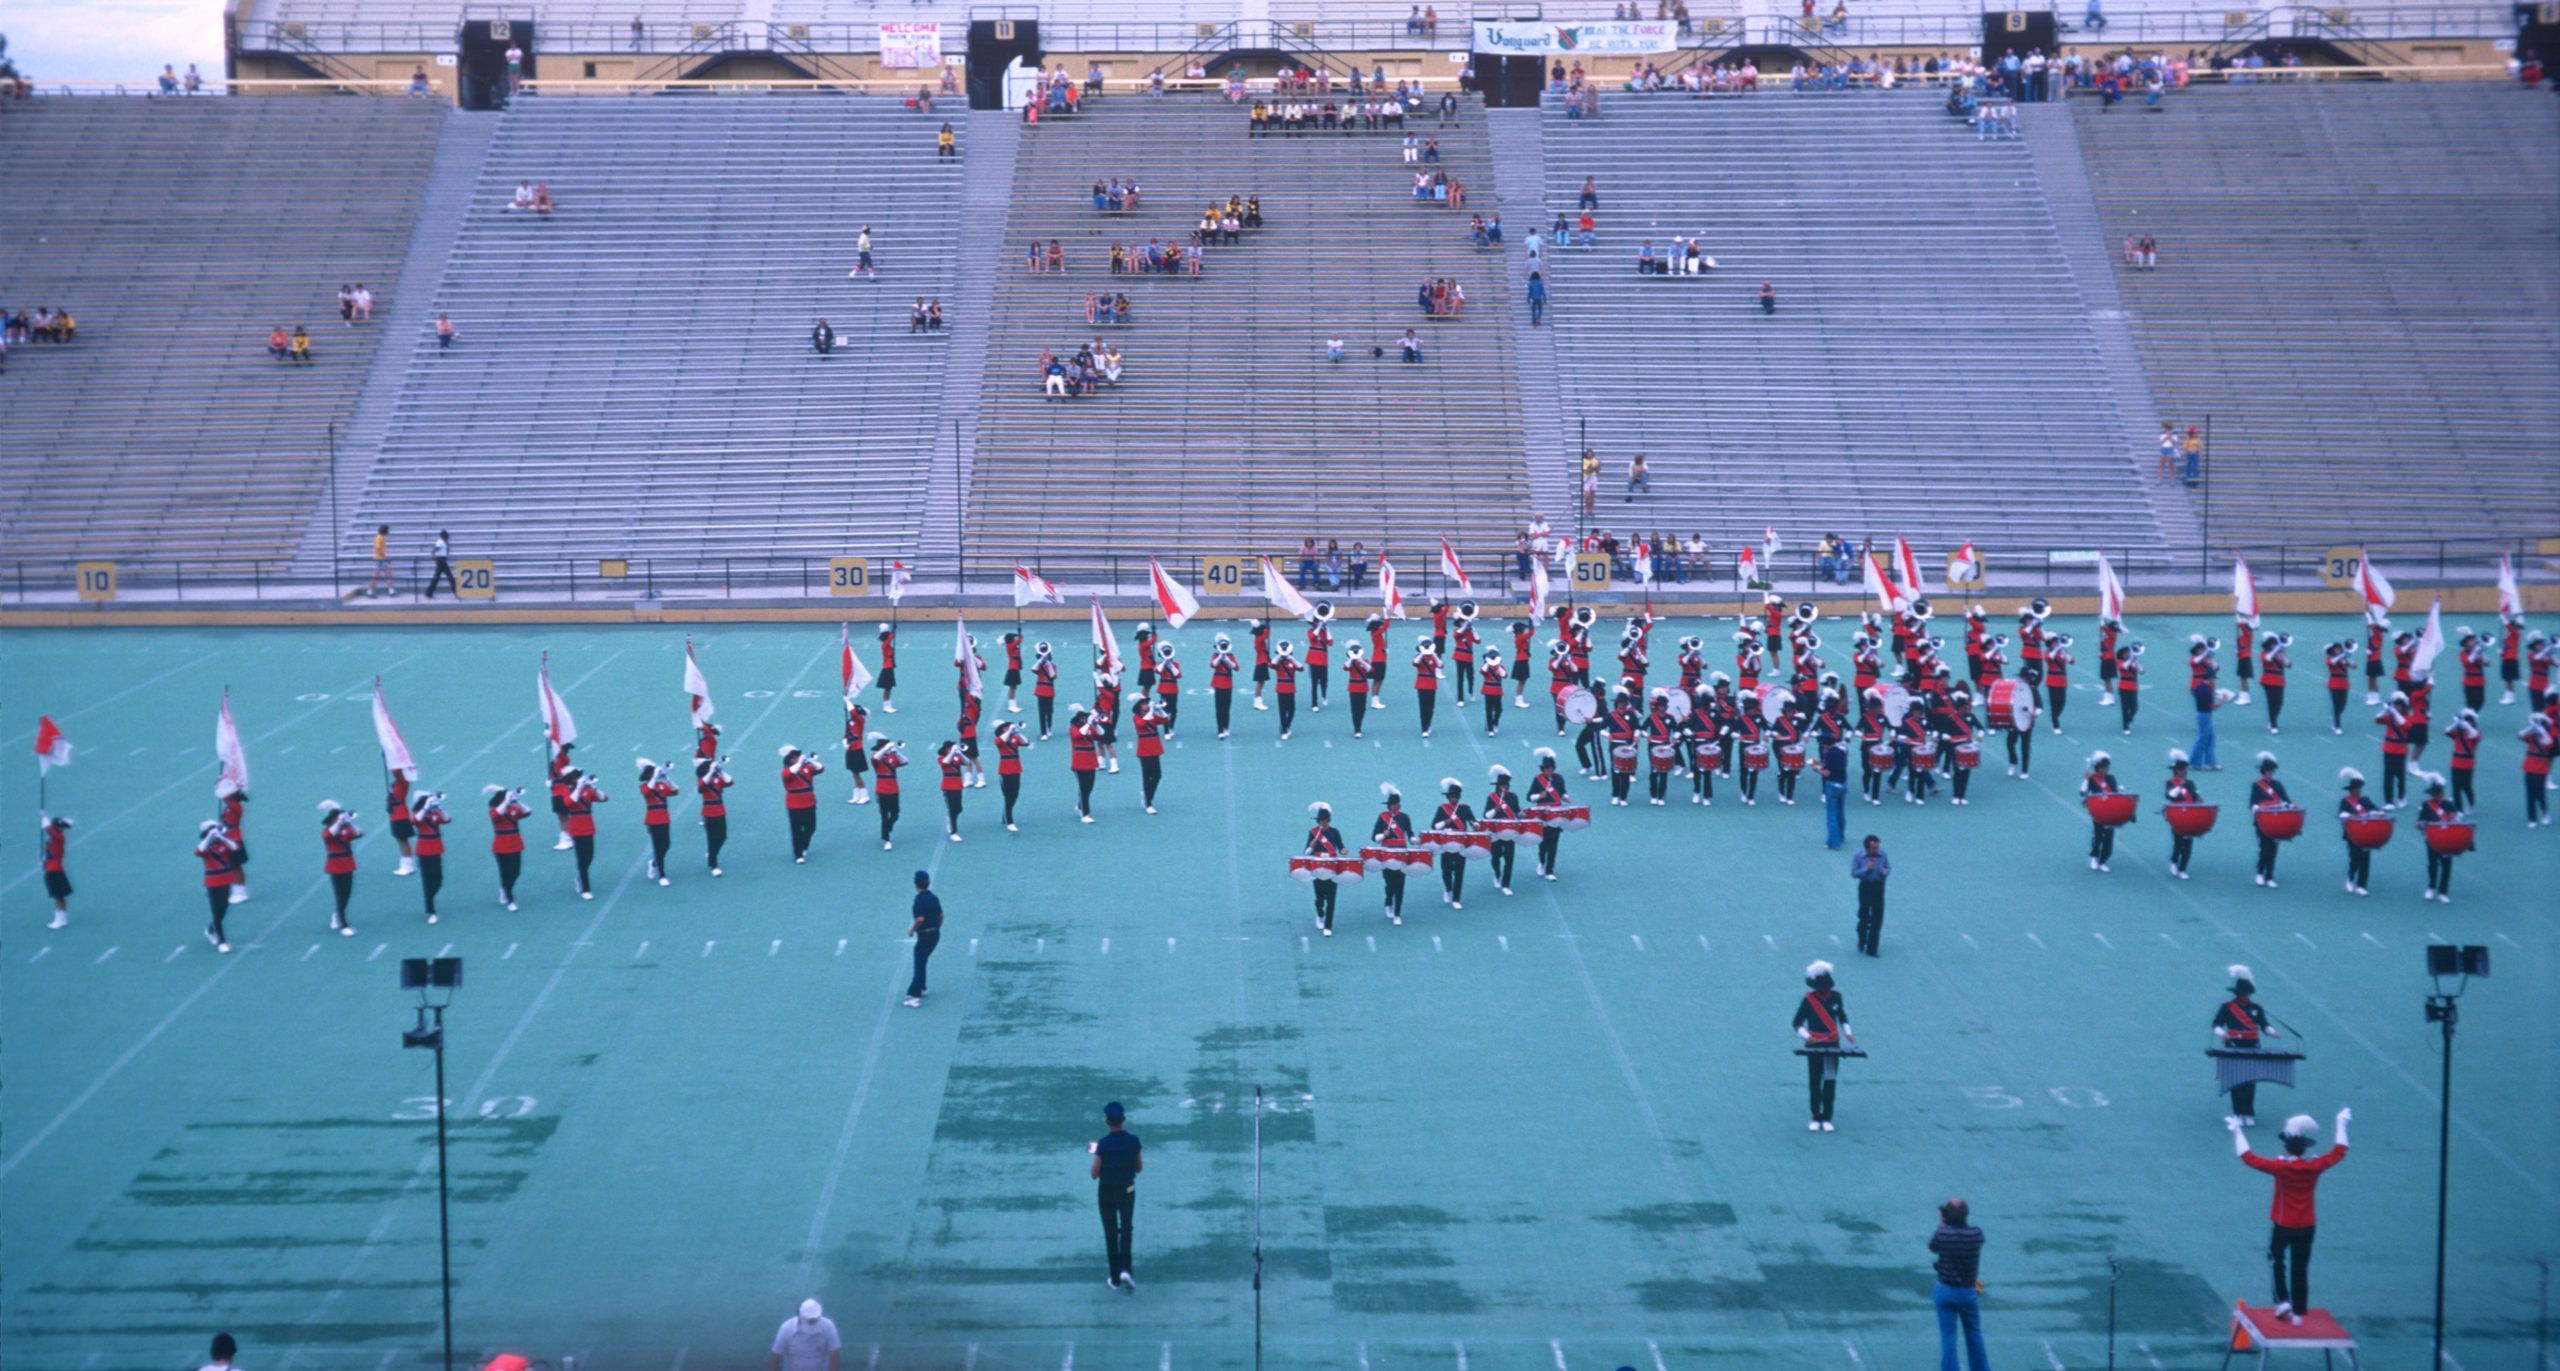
{"points": [[1230, 428], [2358, 287], [635, 376], [178, 234], [1929, 368]]}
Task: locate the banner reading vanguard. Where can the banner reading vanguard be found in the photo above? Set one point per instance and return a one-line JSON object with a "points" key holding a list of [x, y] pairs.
{"points": [[1526, 36]]}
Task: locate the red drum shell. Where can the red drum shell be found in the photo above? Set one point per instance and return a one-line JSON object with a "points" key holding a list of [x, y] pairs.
{"points": [[1344, 870], [1791, 758], [1505, 830], [1755, 756], [2278, 823], [2111, 811], [1925, 755], [2451, 838], [1405, 859], [1711, 755], [1567, 817], [2369, 831], [1880, 756], [2190, 820], [1968, 755]]}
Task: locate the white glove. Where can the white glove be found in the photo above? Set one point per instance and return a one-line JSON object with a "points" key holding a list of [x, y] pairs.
{"points": [[1806, 1034], [2339, 1129]]}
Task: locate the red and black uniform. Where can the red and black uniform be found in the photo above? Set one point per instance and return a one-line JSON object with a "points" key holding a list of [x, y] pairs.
{"points": [[1964, 749], [395, 803], [1146, 655], [560, 768], [1261, 657], [1360, 675], [1324, 840], [1394, 828], [1222, 688], [1822, 1020], [654, 794], [1284, 673], [1501, 803], [1462, 662], [2340, 658], [2031, 656], [1662, 746], [800, 774], [1547, 788], [2108, 632], [1378, 658], [1975, 638], [706, 742], [2475, 673], [1150, 722], [1009, 740], [2439, 865], [1426, 684], [2464, 734], [2102, 837], [1012, 664], [2510, 644], [2238, 1024], [1521, 633], [2180, 791], [2273, 663], [1106, 713], [2541, 741], [429, 821], [506, 843], [1491, 678], [1622, 727], [1453, 816], [1440, 626], [2057, 681], [221, 871], [2353, 805], [1084, 741], [2129, 687], [888, 679], [338, 835], [57, 875], [885, 762], [2244, 655], [234, 814], [2263, 792], [581, 800], [1319, 663], [1169, 690], [1910, 738], [2374, 649], [971, 709], [2294, 1217], [709, 787], [857, 760], [2396, 737], [953, 762]]}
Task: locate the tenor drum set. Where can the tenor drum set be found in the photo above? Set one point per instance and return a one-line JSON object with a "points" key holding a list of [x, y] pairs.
{"points": [[1344, 870], [1565, 817], [1409, 860]]}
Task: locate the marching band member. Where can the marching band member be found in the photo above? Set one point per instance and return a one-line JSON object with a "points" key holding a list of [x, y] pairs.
{"points": [[1622, 747], [1146, 659], [2436, 809], [1747, 657], [888, 679], [971, 769], [1634, 660], [2109, 630], [215, 849], [1462, 659], [1697, 735], [2394, 719], [887, 755], [1426, 680], [2352, 805], [506, 837], [1547, 788], [2203, 670], [800, 798], [1865, 663], [2475, 669], [1150, 721], [1012, 672], [2129, 683], [2238, 1024], [582, 799], [1284, 672], [655, 791], [1788, 732], [857, 725], [2297, 1175], [1662, 736], [427, 816], [234, 816], [1044, 687], [2538, 670], [710, 779], [1106, 719], [2100, 780], [1693, 664], [338, 834], [1222, 684], [1773, 608], [2265, 791], [2464, 734], [1168, 686], [1493, 679], [2340, 658], [1522, 632], [1872, 739], [1377, 626], [1822, 1020], [1323, 840], [1319, 657], [2375, 627], [1501, 803], [2404, 658], [1957, 727], [1261, 660], [1439, 627], [1393, 828], [1084, 742], [706, 740], [2031, 645], [953, 762], [2244, 656], [559, 767], [2180, 791], [1453, 816], [1908, 737], [1009, 740], [1976, 622], [2057, 676], [2540, 742], [1807, 681], [1559, 679], [53, 835], [1574, 626], [2275, 658], [1359, 675], [2510, 638], [396, 804]]}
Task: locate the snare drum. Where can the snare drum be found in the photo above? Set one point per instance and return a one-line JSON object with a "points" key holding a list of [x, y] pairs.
{"points": [[1791, 757], [1924, 756], [1474, 846], [1342, 870], [1665, 756], [1968, 756], [1880, 756], [1511, 830], [1622, 756], [1710, 755], [1755, 756]]}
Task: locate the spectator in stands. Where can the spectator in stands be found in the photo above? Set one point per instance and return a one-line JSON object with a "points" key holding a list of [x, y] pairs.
{"points": [[945, 143], [1586, 231], [2095, 18], [300, 348], [418, 82], [364, 304], [1430, 21], [1590, 198], [346, 304], [444, 332], [280, 346], [382, 581], [862, 255], [915, 314], [195, 81], [524, 197], [1054, 374], [1413, 21], [1826, 558], [1333, 347], [1768, 298], [1639, 478], [1356, 566], [1839, 20], [542, 205], [515, 67], [442, 551], [168, 80], [1057, 257], [822, 338], [933, 317], [2194, 453], [1411, 345], [639, 33], [1307, 563], [1333, 571], [1521, 558], [1537, 298], [1590, 483], [2146, 252]]}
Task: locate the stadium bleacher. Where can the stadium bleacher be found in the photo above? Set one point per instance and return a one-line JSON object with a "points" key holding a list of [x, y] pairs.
{"points": [[649, 344], [2357, 286], [178, 234], [1230, 430], [1930, 367]]}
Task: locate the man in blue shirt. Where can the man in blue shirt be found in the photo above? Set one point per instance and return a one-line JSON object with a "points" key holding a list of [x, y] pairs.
{"points": [[1117, 1160], [1835, 789], [927, 931], [1869, 868]]}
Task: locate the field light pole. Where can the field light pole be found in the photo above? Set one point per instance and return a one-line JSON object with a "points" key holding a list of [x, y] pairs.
{"points": [[423, 974], [2444, 959]]}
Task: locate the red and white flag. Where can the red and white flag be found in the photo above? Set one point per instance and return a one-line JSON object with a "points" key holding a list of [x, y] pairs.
{"points": [[227, 749], [2110, 592], [1030, 589], [1881, 584], [1176, 604], [899, 574], [1449, 567], [1769, 548], [1106, 648], [1643, 564], [2372, 586], [1277, 590], [965, 656], [395, 749], [1906, 568], [52, 749], [1537, 601], [1746, 564], [1964, 568], [2430, 644], [2510, 600], [1390, 595], [855, 674], [558, 729], [696, 687], [2244, 591]]}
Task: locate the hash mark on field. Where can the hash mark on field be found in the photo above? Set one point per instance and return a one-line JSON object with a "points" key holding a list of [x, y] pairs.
{"points": [[1303, 943], [2039, 942], [1435, 942], [973, 947], [139, 751], [1505, 941], [1363, 1350], [2519, 947], [2145, 1349], [2102, 940], [2048, 1354], [2435, 937], [378, 950], [315, 947], [1069, 1363], [1461, 1346], [1559, 1351], [445, 951], [1772, 942], [774, 950], [969, 1362], [709, 944], [1655, 1349], [102, 957], [1168, 947], [1845, 1346], [1039, 946], [678, 1363], [840, 942], [431, 752], [2172, 942], [289, 747], [1164, 1359], [338, 749], [1637, 939], [2306, 942], [641, 951], [1106, 947], [175, 952], [41, 953], [1373, 942], [1969, 942], [509, 953], [1835, 940], [2377, 942]]}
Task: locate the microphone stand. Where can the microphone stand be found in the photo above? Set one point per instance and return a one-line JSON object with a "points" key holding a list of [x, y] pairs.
{"points": [[2114, 1271]]}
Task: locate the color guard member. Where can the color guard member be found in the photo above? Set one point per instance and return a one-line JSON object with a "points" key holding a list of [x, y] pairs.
{"points": [[711, 779]]}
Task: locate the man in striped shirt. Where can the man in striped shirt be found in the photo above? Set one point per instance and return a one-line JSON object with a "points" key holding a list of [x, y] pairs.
{"points": [[1958, 1292]]}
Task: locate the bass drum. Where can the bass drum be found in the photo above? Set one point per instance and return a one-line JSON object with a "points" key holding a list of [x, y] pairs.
{"points": [[1580, 705]]}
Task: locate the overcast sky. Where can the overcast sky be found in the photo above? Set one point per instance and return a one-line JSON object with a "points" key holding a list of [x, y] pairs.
{"points": [[111, 40]]}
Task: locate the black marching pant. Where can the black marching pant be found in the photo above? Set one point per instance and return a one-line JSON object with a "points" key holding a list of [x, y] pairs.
{"points": [[2291, 1246], [715, 835], [888, 805], [1492, 712], [1150, 774], [1326, 892], [2337, 707], [2021, 743], [2102, 843], [1506, 859], [430, 878], [2129, 703], [1288, 713], [1466, 679], [1426, 697], [1319, 685], [1549, 839], [1084, 792], [1010, 787], [2275, 704], [2055, 697], [1172, 705], [1359, 711], [2439, 872], [219, 897], [2267, 857], [2244, 1100], [659, 837], [343, 885], [1048, 707], [1395, 891], [2462, 795], [1223, 698], [1870, 916], [510, 866], [2395, 778], [2359, 865], [2180, 849], [804, 826], [1822, 1084], [926, 941], [584, 847], [2536, 798], [1586, 748], [1453, 875], [1119, 1203], [951, 808]]}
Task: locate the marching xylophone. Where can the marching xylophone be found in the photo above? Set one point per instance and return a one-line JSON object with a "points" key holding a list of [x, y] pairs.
{"points": [[2251, 1066]]}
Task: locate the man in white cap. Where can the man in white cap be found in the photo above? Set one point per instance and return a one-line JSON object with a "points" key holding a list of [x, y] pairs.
{"points": [[808, 1342], [2297, 1176]]}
